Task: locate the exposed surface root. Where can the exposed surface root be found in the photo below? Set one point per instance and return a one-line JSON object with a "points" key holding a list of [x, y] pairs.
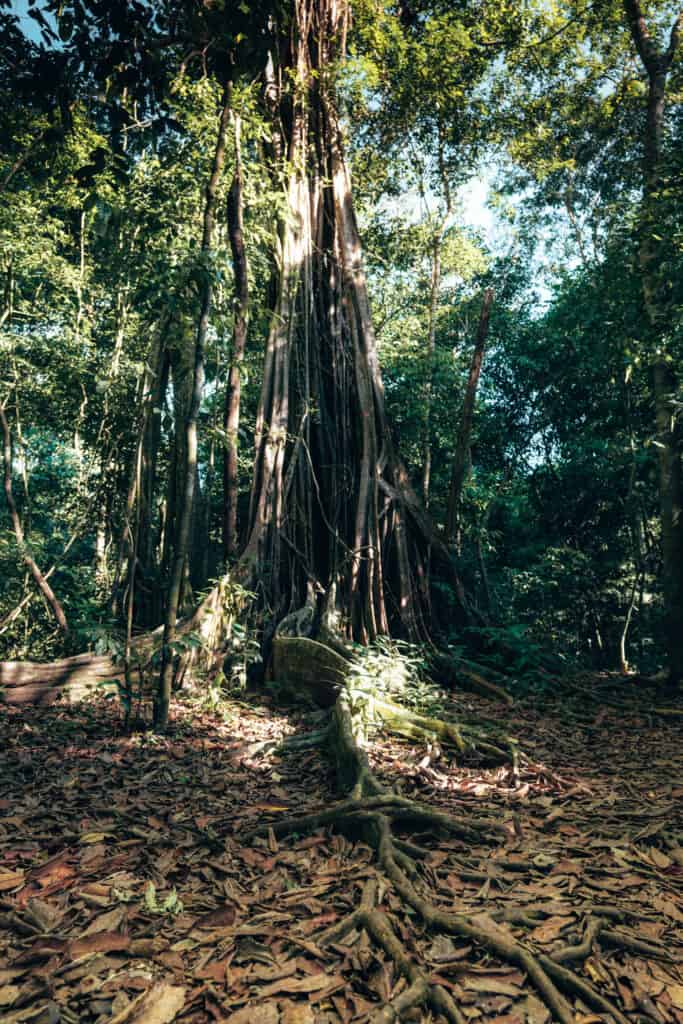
{"points": [[93, 822], [372, 812], [418, 727], [420, 990], [574, 985]]}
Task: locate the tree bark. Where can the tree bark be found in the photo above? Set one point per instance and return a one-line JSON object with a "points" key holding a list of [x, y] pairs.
{"points": [[186, 501], [239, 340], [140, 491], [435, 285], [656, 288], [462, 446], [331, 505], [40, 580]]}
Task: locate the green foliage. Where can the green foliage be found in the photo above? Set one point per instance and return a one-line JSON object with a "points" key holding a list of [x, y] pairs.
{"points": [[171, 904], [104, 158], [395, 670]]}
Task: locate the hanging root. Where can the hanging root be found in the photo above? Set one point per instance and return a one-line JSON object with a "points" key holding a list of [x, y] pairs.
{"points": [[371, 812]]}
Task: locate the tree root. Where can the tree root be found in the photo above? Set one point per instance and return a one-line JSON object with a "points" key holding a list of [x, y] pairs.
{"points": [[301, 664], [421, 990], [596, 928], [582, 949], [395, 808], [459, 673], [371, 811], [420, 727], [574, 985]]}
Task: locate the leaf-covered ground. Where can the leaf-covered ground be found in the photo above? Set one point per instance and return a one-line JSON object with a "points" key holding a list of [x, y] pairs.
{"points": [[128, 893]]}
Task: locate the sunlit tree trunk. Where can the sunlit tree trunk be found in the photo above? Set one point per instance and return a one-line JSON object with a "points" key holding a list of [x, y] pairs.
{"points": [[332, 510]]}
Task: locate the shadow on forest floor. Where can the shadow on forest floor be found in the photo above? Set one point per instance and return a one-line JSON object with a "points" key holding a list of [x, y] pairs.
{"points": [[122, 871]]}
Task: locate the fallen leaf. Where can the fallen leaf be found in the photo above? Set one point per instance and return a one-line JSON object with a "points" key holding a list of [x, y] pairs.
{"points": [[160, 1004], [108, 922], [265, 1013], [311, 983], [533, 1011], [223, 917], [660, 859], [550, 929], [103, 942], [11, 880], [46, 915], [93, 837], [296, 1013], [676, 995], [667, 907], [8, 994], [489, 984]]}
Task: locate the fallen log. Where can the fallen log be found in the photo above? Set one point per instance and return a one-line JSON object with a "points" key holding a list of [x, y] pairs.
{"points": [[33, 682], [82, 675]]}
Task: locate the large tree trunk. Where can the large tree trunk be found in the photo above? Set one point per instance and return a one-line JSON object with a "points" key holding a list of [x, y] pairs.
{"points": [[331, 507], [656, 295], [332, 510]]}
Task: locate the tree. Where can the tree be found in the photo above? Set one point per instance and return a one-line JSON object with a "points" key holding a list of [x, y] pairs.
{"points": [[189, 478], [465, 429], [332, 510], [335, 530], [657, 294], [577, 109]]}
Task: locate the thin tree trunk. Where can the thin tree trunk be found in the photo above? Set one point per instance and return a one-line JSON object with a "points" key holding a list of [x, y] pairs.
{"points": [[462, 445], [149, 606], [431, 350], [151, 390], [40, 580], [435, 287], [655, 284], [239, 340], [163, 698], [624, 667]]}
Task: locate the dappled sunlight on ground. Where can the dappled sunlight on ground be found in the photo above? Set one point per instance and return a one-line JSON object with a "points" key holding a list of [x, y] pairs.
{"points": [[123, 864]]}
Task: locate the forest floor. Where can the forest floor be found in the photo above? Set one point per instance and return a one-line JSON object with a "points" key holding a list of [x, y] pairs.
{"points": [[128, 895]]}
